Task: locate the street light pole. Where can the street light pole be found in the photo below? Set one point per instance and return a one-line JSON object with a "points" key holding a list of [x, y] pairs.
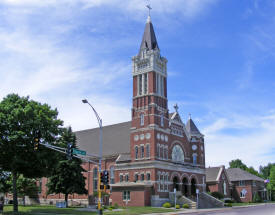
{"points": [[85, 101]]}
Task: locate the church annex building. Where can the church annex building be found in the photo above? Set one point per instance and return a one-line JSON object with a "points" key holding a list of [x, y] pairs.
{"points": [[153, 153]]}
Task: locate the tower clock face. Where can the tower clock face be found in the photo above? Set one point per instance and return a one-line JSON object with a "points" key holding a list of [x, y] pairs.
{"points": [[177, 154]]}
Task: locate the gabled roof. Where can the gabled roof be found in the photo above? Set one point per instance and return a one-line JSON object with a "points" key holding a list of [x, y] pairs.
{"points": [[237, 174], [212, 173], [115, 139], [175, 117], [149, 40], [192, 128]]}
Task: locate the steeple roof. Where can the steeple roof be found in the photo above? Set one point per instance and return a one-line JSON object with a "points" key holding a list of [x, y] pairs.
{"points": [[149, 40], [192, 128]]}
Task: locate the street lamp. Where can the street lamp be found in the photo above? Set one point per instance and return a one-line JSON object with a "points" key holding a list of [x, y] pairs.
{"points": [[85, 101]]}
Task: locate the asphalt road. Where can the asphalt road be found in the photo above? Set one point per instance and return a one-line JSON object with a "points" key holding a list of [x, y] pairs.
{"points": [[267, 209]]}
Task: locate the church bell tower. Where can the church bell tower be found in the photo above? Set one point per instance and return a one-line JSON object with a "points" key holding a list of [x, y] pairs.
{"points": [[149, 110]]}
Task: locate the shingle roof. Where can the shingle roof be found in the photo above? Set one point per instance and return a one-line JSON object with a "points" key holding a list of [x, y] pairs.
{"points": [[237, 174], [212, 173], [124, 157], [116, 139], [192, 128], [149, 40]]}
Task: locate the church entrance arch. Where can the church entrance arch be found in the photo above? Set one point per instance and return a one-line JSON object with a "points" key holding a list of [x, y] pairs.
{"points": [[185, 186], [176, 183], [193, 186]]}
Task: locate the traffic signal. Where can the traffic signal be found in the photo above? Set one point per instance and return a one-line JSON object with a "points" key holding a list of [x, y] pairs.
{"points": [[106, 177], [69, 151], [102, 177], [37, 140]]}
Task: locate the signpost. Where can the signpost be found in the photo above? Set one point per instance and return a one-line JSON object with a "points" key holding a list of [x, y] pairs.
{"points": [[175, 192], [78, 152], [197, 192]]}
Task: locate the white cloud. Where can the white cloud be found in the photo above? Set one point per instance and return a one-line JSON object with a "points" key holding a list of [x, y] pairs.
{"points": [[253, 148], [187, 8]]}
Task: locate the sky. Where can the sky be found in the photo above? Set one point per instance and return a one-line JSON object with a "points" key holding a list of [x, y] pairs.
{"points": [[221, 64]]}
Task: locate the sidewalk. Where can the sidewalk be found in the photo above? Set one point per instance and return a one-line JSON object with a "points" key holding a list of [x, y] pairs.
{"points": [[192, 211]]}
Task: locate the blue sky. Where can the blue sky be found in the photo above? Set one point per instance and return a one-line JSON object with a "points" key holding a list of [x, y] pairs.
{"points": [[221, 64]]}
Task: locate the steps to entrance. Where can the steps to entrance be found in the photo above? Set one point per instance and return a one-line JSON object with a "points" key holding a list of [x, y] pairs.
{"points": [[182, 200]]}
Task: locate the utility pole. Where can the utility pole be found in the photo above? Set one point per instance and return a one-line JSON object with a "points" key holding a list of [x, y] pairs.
{"points": [[99, 120]]}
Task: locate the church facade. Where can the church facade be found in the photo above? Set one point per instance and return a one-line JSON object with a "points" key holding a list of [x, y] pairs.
{"points": [[154, 153]]}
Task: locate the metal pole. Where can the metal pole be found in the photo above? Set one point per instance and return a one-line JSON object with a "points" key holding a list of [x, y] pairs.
{"points": [[100, 154]]}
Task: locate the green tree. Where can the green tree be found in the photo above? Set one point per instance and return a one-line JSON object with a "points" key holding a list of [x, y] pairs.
{"points": [[237, 164], [22, 121], [265, 170], [271, 184], [5, 186], [67, 177], [253, 171], [26, 187]]}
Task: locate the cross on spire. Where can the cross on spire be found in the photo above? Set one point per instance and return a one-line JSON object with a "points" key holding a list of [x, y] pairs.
{"points": [[149, 8], [189, 115], [176, 107]]}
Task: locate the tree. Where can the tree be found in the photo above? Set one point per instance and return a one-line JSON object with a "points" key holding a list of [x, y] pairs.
{"points": [[26, 187], [5, 186], [22, 121], [265, 170], [67, 177], [271, 184], [237, 164], [253, 171]]}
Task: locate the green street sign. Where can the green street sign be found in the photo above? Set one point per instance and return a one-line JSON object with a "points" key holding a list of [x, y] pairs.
{"points": [[79, 152]]}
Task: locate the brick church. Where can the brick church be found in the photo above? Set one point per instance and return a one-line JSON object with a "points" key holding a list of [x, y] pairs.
{"points": [[154, 153]]}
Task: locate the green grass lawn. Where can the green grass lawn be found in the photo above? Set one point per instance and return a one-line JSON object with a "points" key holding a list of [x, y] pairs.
{"points": [[51, 210]]}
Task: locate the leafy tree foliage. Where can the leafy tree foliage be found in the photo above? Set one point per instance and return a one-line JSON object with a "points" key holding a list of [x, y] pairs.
{"points": [[265, 170], [67, 177], [271, 184], [237, 164], [22, 121], [26, 187], [5, 186]]}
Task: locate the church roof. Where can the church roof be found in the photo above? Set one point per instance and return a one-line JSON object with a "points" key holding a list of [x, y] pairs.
{"points": [[212, 173], [115, 139], [149, 40], [237, 174], [192, 128]]}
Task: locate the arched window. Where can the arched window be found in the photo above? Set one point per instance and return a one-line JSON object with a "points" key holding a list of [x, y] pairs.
{"points": [[141, 119], [95, 178], [147, 150], [142, 151], [148, 176], [136, 152], [161, 120], [194, 158], [112, 175], [158, 150], [162, 151]]}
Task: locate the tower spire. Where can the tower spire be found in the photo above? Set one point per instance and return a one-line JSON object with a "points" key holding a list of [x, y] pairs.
{"points": [[149, 40]]}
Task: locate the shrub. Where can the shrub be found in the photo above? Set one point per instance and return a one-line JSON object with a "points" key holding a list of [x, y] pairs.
{"points": [[110, 208], [257, 198], [228, 201], [166, 205], [217, 195], [228, 204], [177, 206], [185, 206], [115, 206]]}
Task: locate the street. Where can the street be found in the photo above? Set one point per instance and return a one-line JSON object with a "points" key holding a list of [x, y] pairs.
{"points": [[268, 209]]}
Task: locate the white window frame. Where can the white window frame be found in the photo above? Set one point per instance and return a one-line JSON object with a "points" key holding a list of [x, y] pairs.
{"points": [[126, 195], [141, 119]]}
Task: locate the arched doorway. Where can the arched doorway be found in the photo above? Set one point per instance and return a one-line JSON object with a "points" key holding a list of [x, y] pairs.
{"points": [[193, 187], [175, 183], [185, 186]]}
